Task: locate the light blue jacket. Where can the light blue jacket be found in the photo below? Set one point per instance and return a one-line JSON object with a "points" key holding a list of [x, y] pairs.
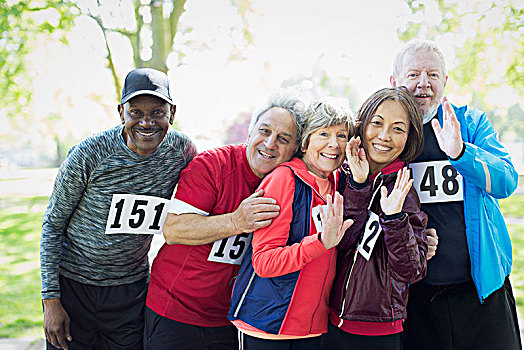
{"points": [[488, 175]]}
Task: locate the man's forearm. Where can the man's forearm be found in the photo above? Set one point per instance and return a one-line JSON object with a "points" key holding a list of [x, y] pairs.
{"points": [[195, 229]]}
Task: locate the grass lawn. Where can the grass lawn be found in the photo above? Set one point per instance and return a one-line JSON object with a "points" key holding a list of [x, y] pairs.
{"points": [[517, 270], [20, 305], [20, 225], [513, 206]]}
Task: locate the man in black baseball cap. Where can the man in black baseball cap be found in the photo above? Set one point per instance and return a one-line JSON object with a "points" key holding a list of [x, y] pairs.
{"points": [[146, 109], [110, 196]]}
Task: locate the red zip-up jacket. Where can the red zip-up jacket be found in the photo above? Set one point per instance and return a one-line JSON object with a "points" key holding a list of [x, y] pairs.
{"points": [[269, 296]]}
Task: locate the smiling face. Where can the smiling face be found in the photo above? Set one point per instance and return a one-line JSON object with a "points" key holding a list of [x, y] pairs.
{"points": [[422, 74], [146, 120], [273, 140], [386, 134], [325, 149]]}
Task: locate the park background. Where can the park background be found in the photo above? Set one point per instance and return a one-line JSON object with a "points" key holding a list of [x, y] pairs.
{"points": [[62, 65]]}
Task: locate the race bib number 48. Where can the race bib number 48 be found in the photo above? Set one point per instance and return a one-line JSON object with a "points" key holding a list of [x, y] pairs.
{"points": [[136, 214], [437, 181]]}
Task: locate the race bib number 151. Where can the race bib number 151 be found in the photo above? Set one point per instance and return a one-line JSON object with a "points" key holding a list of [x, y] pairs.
{"points": [[136, 214]]}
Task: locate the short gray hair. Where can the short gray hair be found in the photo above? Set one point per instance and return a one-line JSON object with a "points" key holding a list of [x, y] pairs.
{"points": [[323, 113], [288, 100], [416, 45]]}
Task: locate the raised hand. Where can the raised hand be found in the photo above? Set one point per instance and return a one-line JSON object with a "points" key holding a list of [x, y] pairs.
{"points": [[448, 136], [357, 160], [254, 212], [333, 224], [393, 203]]}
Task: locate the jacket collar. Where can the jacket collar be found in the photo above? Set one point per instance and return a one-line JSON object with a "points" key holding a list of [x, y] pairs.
{"points": [[392, 167], [299, 168]]}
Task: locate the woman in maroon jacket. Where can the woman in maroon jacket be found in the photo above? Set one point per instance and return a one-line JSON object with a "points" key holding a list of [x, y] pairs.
{"points": [[385, 249]]}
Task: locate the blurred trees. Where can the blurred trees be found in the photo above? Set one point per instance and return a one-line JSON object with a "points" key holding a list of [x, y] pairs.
{"points": [[150, 31], [487, 41], [22, 23], [146, 27]]}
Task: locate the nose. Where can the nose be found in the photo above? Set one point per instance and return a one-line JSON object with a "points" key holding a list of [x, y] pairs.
{"points": [[332, 142], [147, 121], [271, 142], [384, 134], [423, 81]]}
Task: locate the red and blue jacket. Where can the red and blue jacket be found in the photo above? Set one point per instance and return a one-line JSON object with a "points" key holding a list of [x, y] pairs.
{"points": [[285, 279]]}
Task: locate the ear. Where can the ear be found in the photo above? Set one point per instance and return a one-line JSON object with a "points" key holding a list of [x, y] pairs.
{"points": [[121, 113], [392, 81], [173, 111], [445, 81]]}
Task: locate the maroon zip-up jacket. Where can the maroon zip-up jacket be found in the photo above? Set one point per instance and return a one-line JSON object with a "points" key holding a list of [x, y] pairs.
{"points": [[377, 290]]}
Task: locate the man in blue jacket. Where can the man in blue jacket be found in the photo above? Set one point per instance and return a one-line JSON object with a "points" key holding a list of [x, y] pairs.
{"points": [[466, 300]]}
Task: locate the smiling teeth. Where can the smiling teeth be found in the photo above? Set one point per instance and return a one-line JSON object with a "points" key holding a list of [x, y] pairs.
{"points": [[266, 155], [382, 148], [146, 133], [330, 156]]}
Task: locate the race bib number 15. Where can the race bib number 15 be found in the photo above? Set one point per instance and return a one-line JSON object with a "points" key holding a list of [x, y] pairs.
{"points": [[436, 181], [230, 250], [136, 214]]}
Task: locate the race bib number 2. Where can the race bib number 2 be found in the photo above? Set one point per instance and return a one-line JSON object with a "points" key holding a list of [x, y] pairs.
{"points": [[136, 214], [372, 230], [437, 181]]}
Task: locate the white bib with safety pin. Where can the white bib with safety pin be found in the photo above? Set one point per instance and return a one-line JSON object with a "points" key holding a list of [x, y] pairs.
{"points": [[315, 213], [437, 181], [372, 230], [230, 250], [136, 214]]}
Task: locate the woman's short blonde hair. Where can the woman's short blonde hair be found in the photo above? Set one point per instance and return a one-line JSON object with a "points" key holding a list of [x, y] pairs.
{"points": [[323, 113]]}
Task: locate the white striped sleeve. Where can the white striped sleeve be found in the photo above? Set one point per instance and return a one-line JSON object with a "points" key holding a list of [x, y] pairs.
{"points": [[176, 206]]}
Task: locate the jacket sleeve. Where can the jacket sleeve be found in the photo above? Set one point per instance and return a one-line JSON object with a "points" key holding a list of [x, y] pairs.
{"points": [[485, 162], [406, 241], [356, 202], [271, 256], [70, 184]]}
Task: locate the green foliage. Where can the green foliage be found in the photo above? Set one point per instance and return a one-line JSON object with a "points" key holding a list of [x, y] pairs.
{"points": [[515, 71], [513, 206], [486, 36], [21, 24]]}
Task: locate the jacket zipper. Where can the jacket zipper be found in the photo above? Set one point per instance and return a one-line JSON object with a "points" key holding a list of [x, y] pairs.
{"points": [[313, 188], [391, 294], [356, 252], [346, 288], [237, 310], [331, 253]]}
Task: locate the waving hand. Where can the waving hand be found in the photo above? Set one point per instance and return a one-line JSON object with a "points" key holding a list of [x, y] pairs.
{"points": [[357, 160], [393, 203], [448, 136]]}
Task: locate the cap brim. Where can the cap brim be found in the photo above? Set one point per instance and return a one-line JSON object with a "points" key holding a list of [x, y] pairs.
{"points": [[146, 92]]}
